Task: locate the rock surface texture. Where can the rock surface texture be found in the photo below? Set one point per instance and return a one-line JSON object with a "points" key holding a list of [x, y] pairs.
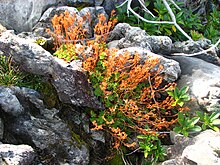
{"points": [[40, 127], [71, 84], [23, 15], [16, 154], [203, 78], [61, 134], [202, 149]]}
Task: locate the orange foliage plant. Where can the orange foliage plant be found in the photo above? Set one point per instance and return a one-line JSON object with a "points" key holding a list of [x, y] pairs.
{"points": [[133, 93]]}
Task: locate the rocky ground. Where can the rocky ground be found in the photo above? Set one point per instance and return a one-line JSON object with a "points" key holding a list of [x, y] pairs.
{"points": [[33, 133]]}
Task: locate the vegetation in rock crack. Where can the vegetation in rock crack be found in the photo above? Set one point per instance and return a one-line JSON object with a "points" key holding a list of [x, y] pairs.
{"points": [[137, 106], [10, 75], [192, 124], [185, 18]]}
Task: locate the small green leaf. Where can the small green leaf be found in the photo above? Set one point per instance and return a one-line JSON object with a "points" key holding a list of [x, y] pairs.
{"points": [[180, 103], [193, 121], [174, 28], [181, 118], [185, 133], [145, 153], [184, 90], [216, 122], [201, 115], [176, 93], [204, 127], [98, 92], [214, 115], [185, 97], [102, 56], [214, 128], [195, 129], [177, 129]]}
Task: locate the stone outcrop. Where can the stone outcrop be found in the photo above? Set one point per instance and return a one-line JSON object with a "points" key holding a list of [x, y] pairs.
{"points": [[68, 79], [136, 37], [16, 154], [28, 121], [171, 69], [202, 149], [203, 78], [190, 47], [23, 15]]}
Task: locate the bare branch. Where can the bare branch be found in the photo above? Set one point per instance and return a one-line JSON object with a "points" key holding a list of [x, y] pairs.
{"points": [[198, 53], [175, 4], [143, 19], [145, 8], [173, 17], [173, 22]]}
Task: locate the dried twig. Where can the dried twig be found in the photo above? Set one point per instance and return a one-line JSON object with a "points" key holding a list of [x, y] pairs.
{"points": [[173, 22], [198, 53]]}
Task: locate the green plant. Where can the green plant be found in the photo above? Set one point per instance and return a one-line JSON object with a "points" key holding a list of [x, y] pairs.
{"points": [[66, 52], [210, 121], [212, 28], [151, 145], [196, 35], [41, 41], [130, 90], [185, 18], [180, 96], [9, 75], [187, 124]]}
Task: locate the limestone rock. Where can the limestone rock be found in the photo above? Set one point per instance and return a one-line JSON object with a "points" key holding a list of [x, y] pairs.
{"points": [[136, 37], [202, 149], [1, 129], [2, 29], [90, 22], [189, 47], [23, 15], [203, 78], [9, 102], [171, 69], [42, 128], [88, 2], [17, 154], [69, 81]]}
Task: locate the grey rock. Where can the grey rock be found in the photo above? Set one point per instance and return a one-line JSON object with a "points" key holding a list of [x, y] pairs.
{"points": [[40, 29], [69, 81], [28, 12], [202, 149], [45, 20], [189, 47], [113, 44], [203, 78], [1, 129], [88, 23], [42, 128], [171, 69], [9, 102], [92, 20], [2, 29], [136, 37], [118, 32], [109, 5], [17, 154], [52, 11], [87, 2]]}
